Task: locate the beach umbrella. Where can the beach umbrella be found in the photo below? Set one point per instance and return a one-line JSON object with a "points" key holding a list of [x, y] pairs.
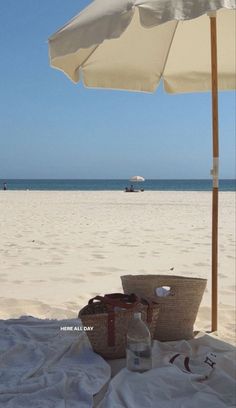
{"points": [[137, 179], [133, 44]]}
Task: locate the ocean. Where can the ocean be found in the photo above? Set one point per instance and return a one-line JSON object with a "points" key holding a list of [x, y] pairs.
{"points": [[116, 185]]}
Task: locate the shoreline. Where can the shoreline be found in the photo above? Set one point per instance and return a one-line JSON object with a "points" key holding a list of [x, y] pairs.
{"points": [[116, 191], [171, 185]]}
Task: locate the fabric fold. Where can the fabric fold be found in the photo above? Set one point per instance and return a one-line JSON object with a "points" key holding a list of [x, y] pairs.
{"points": [[43, 365]]}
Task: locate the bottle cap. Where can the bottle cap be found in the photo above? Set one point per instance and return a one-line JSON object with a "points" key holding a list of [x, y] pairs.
{"points": [[138, 315]]}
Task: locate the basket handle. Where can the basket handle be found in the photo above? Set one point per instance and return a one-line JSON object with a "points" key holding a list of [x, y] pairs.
{"points": [[117, 300], [110, 320], [91, 301], [165, 291], [122, 301], [111, 301]]}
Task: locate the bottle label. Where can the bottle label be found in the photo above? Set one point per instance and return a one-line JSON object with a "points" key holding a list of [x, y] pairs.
{"points": [[136, 361], [140, 347]]}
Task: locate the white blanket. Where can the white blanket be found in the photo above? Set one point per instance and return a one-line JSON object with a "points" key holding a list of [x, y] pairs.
{"points": [[42, 366], [199, 373]]}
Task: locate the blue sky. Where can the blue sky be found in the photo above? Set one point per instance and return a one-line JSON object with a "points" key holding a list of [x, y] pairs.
{"points": [[51, 128]]}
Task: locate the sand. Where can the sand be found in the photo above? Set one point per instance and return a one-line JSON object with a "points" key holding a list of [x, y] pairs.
{"points": [[58, 249]]}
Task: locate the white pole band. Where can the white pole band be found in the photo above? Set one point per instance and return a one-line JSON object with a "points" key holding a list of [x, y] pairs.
{"points": [[215, 172], [211, 13]]}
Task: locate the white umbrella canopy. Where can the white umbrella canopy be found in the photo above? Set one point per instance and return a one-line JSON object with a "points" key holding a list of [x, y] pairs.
{"points": [[143, 51], [133, 44], [137, 179]]}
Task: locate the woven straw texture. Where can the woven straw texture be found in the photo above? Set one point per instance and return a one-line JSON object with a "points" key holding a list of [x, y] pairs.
{"points": [[99, 336], [178, 311]]}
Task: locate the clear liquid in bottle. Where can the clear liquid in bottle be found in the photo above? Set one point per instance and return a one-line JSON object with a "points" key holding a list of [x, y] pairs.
{"points": [[139, 346]]}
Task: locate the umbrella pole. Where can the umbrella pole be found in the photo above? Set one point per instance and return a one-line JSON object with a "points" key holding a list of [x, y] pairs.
{"points": [[214, 172]]}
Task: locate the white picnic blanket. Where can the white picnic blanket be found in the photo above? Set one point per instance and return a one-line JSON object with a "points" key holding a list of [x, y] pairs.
{"points": [[199, 373], [42, 366]]}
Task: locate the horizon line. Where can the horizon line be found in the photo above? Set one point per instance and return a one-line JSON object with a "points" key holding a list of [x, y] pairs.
{"points": [[111, 179]]}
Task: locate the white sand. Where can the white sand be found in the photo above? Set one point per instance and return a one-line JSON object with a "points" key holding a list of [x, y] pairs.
{"points": [[58, 249]]}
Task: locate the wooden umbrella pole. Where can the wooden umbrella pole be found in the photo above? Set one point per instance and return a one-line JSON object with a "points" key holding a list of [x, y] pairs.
{"points": [[215, 174]]}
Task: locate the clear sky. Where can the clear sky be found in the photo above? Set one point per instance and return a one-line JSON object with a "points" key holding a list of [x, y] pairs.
{"points": [[51, 128]]}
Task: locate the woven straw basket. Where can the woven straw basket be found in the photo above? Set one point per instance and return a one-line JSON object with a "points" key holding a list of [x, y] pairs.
{"points": [[178, 310], [111, 344]]}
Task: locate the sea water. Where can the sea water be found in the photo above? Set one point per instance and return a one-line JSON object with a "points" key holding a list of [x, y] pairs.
{"points": [[115, 185]]}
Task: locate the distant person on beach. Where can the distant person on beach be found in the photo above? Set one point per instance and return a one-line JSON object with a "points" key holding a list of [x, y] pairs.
{"points": [[4, 186], [131, 188]]}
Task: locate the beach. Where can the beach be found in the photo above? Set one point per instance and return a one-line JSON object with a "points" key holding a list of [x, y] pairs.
{"points": [[59, 249]]}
